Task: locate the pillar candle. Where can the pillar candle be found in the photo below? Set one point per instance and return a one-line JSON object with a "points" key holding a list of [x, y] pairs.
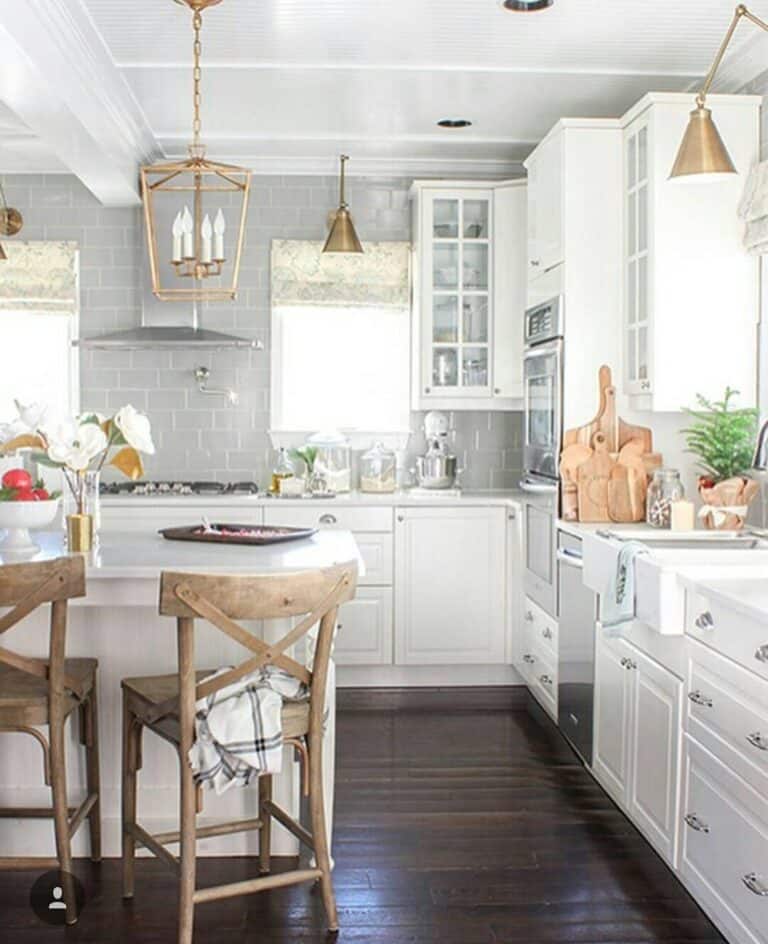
{"points": [[188, 240], [177, 232], [682, 516], [218, 236], [206, 232]]}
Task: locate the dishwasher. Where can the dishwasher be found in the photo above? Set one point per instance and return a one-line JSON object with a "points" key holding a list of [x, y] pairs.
{"points": [[576, 657]]}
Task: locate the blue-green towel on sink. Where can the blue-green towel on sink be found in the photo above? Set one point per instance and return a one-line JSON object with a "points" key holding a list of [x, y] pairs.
{"points": [[617, 606]]}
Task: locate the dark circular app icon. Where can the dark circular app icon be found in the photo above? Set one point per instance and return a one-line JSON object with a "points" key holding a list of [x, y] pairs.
{"points": [[51, 895]]}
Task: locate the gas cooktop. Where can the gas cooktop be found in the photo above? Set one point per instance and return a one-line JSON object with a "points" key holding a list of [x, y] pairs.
{"points": [[178, 488]]}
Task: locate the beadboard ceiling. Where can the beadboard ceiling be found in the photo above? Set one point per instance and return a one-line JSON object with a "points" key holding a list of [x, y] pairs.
{"points": [[288, 84]]}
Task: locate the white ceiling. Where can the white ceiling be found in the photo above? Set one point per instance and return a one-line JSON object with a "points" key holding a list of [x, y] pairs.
{"points": [[287, 84]]}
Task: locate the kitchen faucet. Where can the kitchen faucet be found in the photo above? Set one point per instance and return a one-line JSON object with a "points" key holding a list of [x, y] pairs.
{"points": [[760, 460]]}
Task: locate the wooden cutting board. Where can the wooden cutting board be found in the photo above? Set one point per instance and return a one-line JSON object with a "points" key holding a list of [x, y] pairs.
{"points": [[570, 460], [628, 485], [605, 419], [593, 478]]}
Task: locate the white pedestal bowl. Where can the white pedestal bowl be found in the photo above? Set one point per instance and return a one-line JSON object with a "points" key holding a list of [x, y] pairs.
{"points": [[16, 520]]}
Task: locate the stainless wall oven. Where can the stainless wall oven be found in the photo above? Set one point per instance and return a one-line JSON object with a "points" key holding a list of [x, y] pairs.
{"points": [[543, 422]]}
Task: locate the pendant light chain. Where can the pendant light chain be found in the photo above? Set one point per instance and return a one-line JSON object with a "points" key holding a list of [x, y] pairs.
{"points": [[197, 48]]}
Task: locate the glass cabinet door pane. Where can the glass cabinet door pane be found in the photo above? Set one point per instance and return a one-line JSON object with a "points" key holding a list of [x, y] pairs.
{"points": [[632, 224], [642, 219], [474, 367], [445, 367], [632, 354], [445, 265], [642, 289], [632, 291], [474, 311], [632, 161], [475, 275], [475, 219], [642, 154], [445, 219], [445, 319], [642, 354]]}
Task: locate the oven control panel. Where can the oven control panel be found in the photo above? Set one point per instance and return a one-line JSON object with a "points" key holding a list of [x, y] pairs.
{"points": [[544, 322]]}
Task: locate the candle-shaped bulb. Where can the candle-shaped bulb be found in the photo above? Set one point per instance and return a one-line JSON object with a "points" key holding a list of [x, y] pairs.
{"points": [[206, 232], [177, 230], [219, 225], [187, 227]]}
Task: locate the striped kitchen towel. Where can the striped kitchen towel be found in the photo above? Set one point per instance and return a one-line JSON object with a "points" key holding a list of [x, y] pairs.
{"points": [[238, 730]]}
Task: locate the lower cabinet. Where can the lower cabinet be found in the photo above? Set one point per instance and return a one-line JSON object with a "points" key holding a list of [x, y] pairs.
{"points": [[638, 733], [364, 635], [538, 657], [450, 586]]}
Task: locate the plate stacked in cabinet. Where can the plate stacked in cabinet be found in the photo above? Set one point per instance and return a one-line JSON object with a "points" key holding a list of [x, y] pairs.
{"points": [[724, 857], [538, 656]]}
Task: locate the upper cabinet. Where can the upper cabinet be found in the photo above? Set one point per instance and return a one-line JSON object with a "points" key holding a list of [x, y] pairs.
{"points": [[546, 240], [690, 290], [469, 294]]}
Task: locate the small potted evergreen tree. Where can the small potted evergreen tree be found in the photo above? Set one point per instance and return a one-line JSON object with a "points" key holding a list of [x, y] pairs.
{"points": [[722, 436]]}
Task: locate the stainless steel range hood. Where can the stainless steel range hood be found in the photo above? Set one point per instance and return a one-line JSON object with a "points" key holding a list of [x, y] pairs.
{"points": [[175, 337]]}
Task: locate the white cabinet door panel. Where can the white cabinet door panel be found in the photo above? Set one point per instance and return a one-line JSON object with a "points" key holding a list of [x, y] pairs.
{"points": [[364, 635], [611, 747]]}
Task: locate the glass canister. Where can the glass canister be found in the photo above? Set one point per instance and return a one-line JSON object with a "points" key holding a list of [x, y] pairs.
{"points": [[378, 469], [665, 488], [334, 459]]}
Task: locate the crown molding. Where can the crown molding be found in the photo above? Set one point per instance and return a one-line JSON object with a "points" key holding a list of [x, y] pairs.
{"points": [[59, 79]]}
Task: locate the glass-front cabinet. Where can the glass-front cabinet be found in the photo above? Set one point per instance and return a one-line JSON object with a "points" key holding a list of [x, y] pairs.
{"points": [[455, 243], [637, 260]]}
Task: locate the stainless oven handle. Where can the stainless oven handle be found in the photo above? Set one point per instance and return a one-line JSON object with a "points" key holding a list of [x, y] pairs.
{"points": [[537, 488], [571, 559]]}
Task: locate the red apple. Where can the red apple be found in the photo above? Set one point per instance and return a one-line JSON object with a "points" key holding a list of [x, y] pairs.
{"points": [[25, 494], [41, 494], [17, 478]]}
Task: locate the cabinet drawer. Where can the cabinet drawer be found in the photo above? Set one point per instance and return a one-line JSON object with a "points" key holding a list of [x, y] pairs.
{"points": [[329, 515], [727, 711], [741, 638], [364, 635], [540, 629], [543, 683], [725, 846]]}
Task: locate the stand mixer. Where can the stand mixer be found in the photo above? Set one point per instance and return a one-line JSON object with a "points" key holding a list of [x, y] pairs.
{"points": [[437, 468]]}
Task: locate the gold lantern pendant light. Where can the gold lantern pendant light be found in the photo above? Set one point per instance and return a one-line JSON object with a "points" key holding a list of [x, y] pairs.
{"points": [[342, 237], [195, 237], [702, 151]]}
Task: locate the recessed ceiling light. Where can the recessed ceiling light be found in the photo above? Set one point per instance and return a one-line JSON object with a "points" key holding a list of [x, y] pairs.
{"points": [[526, 6], [454, 123]]}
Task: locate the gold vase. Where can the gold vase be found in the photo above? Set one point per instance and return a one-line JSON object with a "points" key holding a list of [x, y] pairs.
{"points": [[79, 532]]}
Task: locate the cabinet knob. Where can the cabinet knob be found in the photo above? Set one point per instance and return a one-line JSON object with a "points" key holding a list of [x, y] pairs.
{"points": [[762, 654], [497, 390], [535, 263], [705, 620], [546, 632], [546, 680], [327, 519], [755, 884], [528, 658], [645, 385], [695, 823], [427, 390], [699, 699], [511, 516], [401, 517], [757, 740], [528, 616], [628, 664]]}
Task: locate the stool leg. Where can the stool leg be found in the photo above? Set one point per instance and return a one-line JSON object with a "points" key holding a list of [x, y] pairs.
{"points": [[317, 813], [131, 735], [60, 811], [265, 833], [188, 851], [93, 777]]}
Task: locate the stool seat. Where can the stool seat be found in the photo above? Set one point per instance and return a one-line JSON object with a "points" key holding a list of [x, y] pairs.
{"points": [[24, 697], [146, 692]]}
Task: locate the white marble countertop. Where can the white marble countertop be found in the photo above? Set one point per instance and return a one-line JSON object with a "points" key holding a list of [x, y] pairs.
{"points": [[139, 555], [348, 499]]}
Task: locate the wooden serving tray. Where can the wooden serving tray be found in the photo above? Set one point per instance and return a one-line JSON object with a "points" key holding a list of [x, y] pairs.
{"points": [[253, 534]]}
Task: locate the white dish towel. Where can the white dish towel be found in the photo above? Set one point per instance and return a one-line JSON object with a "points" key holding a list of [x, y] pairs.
{"points": [[753, 209], [617, 606]]}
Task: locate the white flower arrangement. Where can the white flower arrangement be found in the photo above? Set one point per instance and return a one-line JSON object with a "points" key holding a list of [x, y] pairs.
{"points": [[85, 443]]}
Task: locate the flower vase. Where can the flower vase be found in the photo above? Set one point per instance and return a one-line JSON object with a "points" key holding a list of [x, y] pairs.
{"points": [[82, 509]]}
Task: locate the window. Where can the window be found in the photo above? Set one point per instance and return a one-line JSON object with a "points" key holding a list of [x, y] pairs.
{"points": [[340, 339]]}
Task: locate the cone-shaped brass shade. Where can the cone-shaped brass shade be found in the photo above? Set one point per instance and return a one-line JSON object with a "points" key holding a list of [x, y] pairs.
{"points": [[702, 150], [342, 237]]}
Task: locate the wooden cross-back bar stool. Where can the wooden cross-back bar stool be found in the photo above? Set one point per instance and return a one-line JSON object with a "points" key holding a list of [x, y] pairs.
{"points": [[39, 691], [166, 705]]}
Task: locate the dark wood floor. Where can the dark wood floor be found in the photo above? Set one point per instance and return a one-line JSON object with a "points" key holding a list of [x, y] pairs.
{"points": [[457, 828]]}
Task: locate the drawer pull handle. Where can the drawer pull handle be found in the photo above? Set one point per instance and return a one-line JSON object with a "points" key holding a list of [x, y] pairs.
{"points": [[755, 884], [327, 519], [546, 632], [695, 823], [758, 741], [698, 699], [705, 620], [545, 680], [528, 658], [628, 664], [762, 654], [528, 616]]}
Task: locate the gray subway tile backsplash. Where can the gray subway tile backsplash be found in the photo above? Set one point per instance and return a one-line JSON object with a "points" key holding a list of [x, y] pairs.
{"points": [[199, 436]]}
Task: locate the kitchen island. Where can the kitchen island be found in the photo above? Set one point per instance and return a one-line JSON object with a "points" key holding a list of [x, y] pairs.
{"points": [[117, 623]]}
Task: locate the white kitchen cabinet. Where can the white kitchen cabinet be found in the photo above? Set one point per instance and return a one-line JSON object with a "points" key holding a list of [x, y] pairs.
{"points": [[142, 515], [469, 294], [364, 634], [546, 243], [684, 266], [538, 656], [450, 586], [638, 729]]}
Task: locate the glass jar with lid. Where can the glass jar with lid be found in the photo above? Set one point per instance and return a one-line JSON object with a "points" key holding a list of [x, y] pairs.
{"points": [[334, 459], [665, 488], [378, 469]]}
